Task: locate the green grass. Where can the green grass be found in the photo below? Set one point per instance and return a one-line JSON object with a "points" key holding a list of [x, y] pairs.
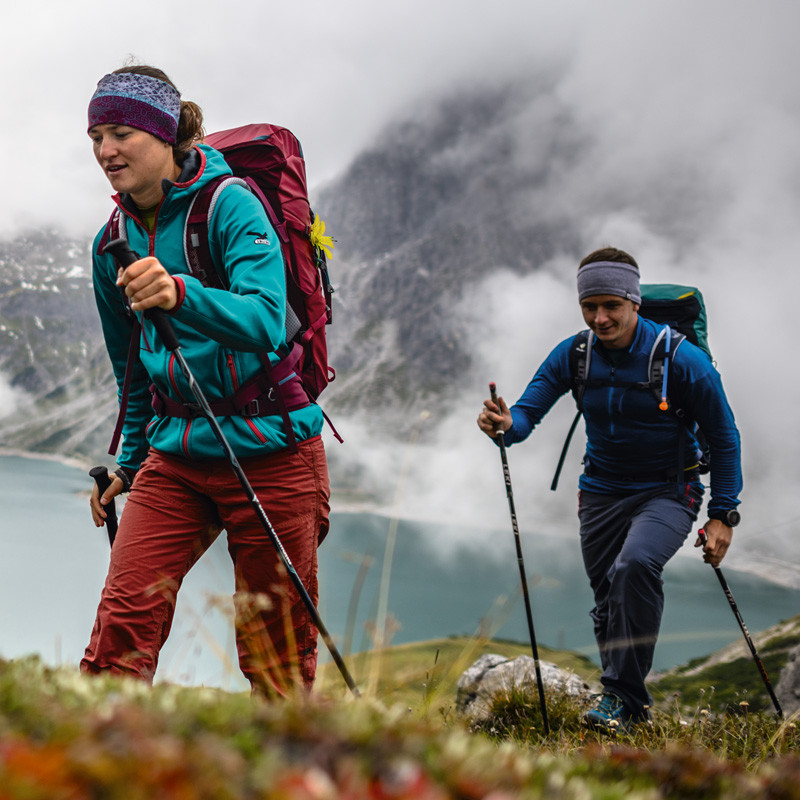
{"points": [[64, 736], [422, 675], [725, 680], [739, 735], [722, 686]]}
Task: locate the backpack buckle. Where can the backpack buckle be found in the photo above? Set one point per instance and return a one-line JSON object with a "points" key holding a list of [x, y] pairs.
{"points": [[194, 410], [251, 409]]}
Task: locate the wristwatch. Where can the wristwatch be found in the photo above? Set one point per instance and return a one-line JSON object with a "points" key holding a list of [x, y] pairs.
{"points": [[731, 517]]}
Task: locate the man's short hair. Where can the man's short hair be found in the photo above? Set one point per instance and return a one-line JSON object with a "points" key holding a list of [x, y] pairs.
{"points": [[609, 254]]}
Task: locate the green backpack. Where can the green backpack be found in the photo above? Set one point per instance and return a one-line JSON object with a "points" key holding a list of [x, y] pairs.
{"points": [[680, 307]]}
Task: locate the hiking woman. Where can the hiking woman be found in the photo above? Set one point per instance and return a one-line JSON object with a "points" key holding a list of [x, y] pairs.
{"points": [[183, 492]]}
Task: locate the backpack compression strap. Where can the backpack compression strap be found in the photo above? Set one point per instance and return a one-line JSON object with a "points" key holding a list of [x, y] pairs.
{"points": [[580, 359], [197, 252]]}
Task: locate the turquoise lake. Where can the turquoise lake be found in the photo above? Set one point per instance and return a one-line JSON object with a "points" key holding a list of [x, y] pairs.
{"points": [[54, 562]]}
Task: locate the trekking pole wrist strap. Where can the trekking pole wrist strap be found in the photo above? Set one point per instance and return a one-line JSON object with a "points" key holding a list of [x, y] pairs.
{"points": [[126, 475]]}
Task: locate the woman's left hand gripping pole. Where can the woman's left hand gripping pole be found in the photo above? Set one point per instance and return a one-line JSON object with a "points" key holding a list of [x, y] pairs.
{"points": [[103, 481]]}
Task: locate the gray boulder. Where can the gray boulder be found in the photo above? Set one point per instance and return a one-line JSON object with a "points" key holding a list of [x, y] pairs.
{"points": [[787, 689], [492, 674]]}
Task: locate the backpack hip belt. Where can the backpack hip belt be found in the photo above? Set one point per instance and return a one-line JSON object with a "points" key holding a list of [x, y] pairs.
{"points": [[277, 389], [658, 476], [256, 398]]}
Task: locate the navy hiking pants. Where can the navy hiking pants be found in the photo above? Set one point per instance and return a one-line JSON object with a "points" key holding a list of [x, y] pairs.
{"points": [[626, 541]]}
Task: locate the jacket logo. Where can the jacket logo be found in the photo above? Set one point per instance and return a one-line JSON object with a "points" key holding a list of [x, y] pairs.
{"points": [[261, 238]]}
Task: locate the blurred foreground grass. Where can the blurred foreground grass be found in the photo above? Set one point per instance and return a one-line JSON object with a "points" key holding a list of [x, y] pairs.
{"points": [[65, 736]]}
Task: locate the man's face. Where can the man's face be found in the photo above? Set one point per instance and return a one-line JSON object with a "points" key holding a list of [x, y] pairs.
{"points": [[612, 319]]}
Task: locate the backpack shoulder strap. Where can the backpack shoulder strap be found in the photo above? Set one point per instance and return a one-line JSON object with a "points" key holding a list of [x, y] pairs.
{"points": [[664, 348], [116, 228], [197, 252], [196, 247], [580, 361], [666, 344]]}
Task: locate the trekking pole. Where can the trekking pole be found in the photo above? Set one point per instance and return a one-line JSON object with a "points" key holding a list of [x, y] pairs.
{"points": [[725, 588], [510, 494], [100, 475], [125, 257]]}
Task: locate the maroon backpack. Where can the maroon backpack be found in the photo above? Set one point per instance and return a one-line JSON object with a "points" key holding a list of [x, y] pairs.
{"points": [[267, 160]]}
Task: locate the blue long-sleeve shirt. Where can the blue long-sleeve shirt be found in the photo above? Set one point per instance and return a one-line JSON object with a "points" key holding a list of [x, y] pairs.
{"points": [[627, 434]]}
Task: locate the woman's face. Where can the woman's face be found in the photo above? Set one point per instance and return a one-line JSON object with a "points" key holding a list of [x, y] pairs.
{"points": [[134, 161]]}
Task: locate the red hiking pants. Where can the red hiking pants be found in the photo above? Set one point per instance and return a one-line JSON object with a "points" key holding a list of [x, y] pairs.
{"points": [[173, 514]]}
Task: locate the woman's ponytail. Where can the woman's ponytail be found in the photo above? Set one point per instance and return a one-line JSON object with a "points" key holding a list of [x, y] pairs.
{"points": [[190, 129], [190, 121]]}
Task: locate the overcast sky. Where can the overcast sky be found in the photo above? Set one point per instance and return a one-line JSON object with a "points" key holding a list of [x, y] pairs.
{"points": [[708, 85], [330, 70], [336, 70]]}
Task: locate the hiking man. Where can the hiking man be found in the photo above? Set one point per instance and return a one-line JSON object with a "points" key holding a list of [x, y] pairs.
{"points": [[640, 491], [147, 141]]}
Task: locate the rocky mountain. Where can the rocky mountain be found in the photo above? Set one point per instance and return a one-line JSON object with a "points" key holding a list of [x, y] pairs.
{"points": [[442, 199], [60, 390], [489, 180]]}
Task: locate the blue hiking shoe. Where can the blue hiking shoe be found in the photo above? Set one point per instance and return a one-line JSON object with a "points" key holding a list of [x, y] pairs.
{"points": [[609, 715]]}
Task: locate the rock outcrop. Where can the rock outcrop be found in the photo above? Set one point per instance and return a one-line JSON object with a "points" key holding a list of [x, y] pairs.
{"points": [[492, 674]]}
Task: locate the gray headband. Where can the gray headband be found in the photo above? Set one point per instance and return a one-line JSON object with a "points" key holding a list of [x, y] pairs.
{"points": [[609, 277]]}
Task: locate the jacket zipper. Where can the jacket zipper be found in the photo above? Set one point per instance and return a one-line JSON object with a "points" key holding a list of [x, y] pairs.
{"points": [[151, 250], [611, 403], [151, 241], [174, 385], [235, 383]]}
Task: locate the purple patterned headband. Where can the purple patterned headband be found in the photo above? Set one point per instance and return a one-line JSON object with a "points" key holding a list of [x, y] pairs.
{"points": [[127, 98]]}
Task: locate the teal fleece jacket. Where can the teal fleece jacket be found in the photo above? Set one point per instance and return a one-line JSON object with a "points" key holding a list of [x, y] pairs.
{"points": [[222, 332]]}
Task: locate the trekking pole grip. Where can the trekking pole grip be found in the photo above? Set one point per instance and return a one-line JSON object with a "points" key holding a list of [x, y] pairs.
{"points": [[124, 256], [493, 393], [103, 481]]}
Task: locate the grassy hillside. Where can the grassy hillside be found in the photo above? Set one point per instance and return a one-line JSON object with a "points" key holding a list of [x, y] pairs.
{"points": [[730, 676], [65, 736], [424, 674]]}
